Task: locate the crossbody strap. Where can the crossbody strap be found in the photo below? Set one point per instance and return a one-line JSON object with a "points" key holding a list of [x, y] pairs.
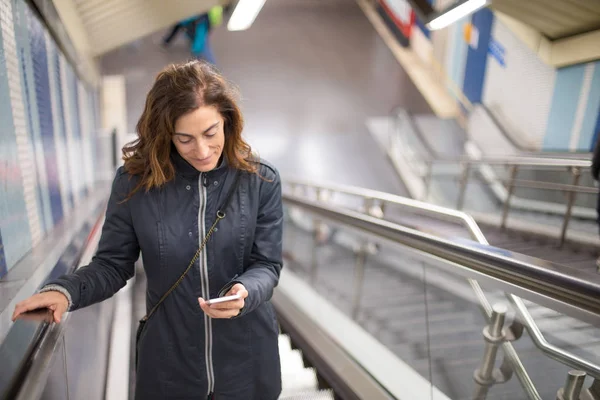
{"points": [[220, 216]]}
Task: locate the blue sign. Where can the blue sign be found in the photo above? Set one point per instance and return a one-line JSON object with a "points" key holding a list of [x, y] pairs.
{"points": [[496, 50]]}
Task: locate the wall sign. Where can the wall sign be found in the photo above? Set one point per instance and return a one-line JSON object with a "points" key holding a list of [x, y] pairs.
{"points": [[400, 14], [496, 50]]}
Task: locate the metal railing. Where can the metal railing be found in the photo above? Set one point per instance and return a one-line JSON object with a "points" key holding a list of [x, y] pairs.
{"points": [[529, 161], [474, 260]]}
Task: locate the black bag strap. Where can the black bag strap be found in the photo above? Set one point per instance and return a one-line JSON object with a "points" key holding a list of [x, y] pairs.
{"points": [[220, 215]]}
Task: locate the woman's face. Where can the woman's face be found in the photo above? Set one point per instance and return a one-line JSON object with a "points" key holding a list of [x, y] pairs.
{"points": [[199, 137]]}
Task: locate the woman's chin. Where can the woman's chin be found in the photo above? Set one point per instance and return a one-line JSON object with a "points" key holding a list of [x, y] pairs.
{"points": [[205, 167]]}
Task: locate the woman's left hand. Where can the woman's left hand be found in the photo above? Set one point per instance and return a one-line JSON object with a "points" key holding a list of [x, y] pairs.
{"points": [[229, 309]]}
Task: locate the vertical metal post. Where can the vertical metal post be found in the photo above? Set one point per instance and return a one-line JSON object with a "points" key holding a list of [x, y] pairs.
{"points": [[514, 169], [493, 337], [316, 228], [313, 257], [570, 202], [382, 209], [573, 386], [427, 180], [115, 150], [359, 277], [463, 185], [292, 234], [370, 208], [368, 202], [594, 390]]}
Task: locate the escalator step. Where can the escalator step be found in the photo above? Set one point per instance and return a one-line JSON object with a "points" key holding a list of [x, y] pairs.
{"points": [[285, 344], [297, 381], [291, 362], [311, 395], [300, 381]]}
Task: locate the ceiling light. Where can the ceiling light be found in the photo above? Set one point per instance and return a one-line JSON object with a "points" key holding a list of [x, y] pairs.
{"points": [[244, 14], [455, 13]]}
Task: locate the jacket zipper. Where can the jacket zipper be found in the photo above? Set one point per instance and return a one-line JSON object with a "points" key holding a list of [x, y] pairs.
{"points": [[205, 290]]}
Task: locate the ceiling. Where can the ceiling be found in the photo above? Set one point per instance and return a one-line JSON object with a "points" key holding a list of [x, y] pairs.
{"points": [[555, 19], [112, 23]]}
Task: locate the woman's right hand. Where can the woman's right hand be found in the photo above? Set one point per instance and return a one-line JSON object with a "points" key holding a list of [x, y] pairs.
{"points": [[52, 300]]}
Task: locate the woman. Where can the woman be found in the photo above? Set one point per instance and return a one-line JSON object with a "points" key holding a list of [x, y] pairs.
{"points": [[190, 156]]}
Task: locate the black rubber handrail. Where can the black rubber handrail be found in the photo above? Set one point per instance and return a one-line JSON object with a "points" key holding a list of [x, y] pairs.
{"points": [[20, 348]]}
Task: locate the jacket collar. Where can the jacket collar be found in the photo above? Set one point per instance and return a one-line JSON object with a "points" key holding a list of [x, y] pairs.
{"points": [[186, 169]]}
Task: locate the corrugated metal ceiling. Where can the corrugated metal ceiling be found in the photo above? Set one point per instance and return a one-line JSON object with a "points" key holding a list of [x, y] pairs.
{"points": [[556, 19], [113, 23]]}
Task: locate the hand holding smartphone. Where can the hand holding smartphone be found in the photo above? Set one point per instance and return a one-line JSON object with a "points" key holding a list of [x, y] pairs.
{"points": [[223, 299], [228, 306]]}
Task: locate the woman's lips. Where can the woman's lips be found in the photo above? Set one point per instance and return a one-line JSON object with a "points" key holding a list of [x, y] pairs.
{"points": [[204, 160]]}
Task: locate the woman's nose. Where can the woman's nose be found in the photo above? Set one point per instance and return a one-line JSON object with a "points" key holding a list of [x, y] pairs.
{"points": [[203, 151]]}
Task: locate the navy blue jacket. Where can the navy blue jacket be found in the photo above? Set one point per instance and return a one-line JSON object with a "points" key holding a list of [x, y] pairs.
{"points": [[183, 353]]}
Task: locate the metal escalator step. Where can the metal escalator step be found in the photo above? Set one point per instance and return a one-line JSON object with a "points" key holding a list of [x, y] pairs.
{"points": [[291, 362], [285, 344], [312, 395], [297, 381], [300, 381]]}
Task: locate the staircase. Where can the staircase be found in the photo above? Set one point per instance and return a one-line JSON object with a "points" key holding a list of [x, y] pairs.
{"points": [[570, 254]]}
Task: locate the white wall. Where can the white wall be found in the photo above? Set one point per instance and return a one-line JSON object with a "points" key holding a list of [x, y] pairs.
{"points": [[520, 93]]}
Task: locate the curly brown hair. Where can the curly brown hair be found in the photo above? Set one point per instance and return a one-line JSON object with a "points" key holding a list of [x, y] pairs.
{"points": [[178, 90]]}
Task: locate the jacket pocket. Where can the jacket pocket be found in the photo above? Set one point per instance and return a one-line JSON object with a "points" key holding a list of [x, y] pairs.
{"points": [[162, 244]]}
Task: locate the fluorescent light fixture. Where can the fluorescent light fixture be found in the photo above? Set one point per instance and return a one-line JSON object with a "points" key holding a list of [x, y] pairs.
{"points": [[455, 13], [244, 14]]}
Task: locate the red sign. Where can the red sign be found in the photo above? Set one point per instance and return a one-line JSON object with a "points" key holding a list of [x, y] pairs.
{"points": [[401, 13]]}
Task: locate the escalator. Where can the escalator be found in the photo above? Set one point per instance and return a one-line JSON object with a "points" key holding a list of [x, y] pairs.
{"points": [[422, 309], [418, 307], [572, 254], [431, 324], [539, 204]]}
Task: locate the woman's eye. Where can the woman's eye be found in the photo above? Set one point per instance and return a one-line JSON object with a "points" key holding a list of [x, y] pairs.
{"points": [[184, 141]]}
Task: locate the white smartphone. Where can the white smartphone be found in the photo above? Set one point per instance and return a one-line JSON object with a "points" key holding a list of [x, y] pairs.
{"points": [[223, 299]]}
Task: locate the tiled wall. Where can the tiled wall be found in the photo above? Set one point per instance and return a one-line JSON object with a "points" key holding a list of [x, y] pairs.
{"points": [[48, 126], [484, 62], [549, 109]]}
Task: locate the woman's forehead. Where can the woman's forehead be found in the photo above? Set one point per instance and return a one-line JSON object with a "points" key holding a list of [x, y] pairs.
{"points": [[198, 120]]}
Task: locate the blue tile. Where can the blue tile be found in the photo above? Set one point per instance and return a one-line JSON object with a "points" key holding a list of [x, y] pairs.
{"points": [[14, 221], [44, 105], [3, 267], [565, 99]]}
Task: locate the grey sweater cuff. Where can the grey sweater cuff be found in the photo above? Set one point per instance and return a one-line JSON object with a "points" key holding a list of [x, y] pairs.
{"points": [[58, 288]]}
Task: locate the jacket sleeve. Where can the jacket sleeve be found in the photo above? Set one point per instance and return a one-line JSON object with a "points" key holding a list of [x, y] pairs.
{"points": [[262, 275], [113, 263], [596, 161]]}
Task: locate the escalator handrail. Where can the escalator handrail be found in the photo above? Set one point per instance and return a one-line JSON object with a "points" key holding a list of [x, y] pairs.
{"points": [[41, 343], [530, 159], [476, 233], [416, 206], [526, 160]]}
